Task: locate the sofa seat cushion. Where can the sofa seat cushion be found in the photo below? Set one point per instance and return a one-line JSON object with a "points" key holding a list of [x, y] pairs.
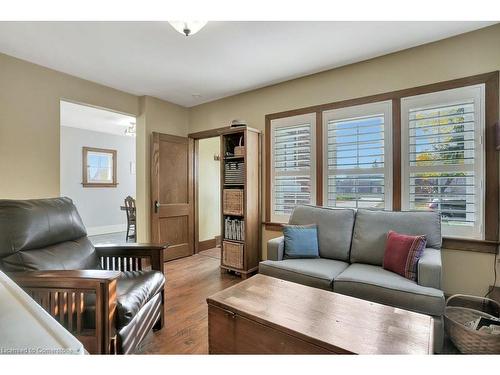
{"points": [[134, 289], [373, 283], [318, 272]]}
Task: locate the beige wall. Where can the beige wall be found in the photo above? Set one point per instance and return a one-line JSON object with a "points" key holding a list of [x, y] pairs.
{"points": [[461, 56], [30, 124], [208, 189], [30, 129]]}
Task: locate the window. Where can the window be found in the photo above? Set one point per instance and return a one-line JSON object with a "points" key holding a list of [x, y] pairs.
{"points": [[357, 156], [293, 164], [99, 167], [444, 143], [442, 157]]}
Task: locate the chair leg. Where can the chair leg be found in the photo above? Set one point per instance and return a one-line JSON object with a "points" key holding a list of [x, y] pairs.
{"points": [[114, 345], [161, 321], [158, 325]]}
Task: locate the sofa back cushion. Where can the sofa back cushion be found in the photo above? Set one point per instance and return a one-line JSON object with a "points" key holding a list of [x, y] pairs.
{"points": [[44, 234], [334, 229], [372, 226], [69, 255]]}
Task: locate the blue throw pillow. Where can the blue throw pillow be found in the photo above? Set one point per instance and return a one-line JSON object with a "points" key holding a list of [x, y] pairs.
{"points": [[301, 241]]}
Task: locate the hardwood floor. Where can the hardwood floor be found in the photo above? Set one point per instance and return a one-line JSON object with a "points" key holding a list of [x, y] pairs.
{"points": [[189, 282]]}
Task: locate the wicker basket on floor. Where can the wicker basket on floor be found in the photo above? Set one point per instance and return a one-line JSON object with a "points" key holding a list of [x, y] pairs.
{"points": [[461, 309], [232, 254]]}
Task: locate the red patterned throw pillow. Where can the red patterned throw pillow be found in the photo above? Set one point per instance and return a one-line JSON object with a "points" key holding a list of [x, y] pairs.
{"points": [[402, 253]]}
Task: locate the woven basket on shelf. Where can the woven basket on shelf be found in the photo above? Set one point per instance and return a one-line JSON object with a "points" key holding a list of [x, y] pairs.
{"points": [[461, 309], [240, 149], [232, 202], [232, 254]]}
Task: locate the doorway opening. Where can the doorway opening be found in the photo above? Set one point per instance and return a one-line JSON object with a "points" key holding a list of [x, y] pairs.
{"points": [[208, 194], [98, 171]]}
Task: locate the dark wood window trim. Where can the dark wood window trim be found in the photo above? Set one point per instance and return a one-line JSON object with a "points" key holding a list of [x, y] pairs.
{"points": [[490, 247], [491, 219], [85, 183], [396, 155]]}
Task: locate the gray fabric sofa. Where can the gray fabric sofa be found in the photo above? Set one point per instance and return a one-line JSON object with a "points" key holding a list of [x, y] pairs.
{"points": [[351, 247]]}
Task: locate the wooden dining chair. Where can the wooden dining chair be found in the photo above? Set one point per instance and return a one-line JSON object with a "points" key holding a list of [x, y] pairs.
{"points": [[131, 218]]}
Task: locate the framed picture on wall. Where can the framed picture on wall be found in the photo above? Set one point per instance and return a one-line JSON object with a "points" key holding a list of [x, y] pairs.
{"points": [[98, 167]]}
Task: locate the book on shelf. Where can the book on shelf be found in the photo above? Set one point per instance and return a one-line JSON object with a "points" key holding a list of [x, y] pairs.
{"points": [[234, 229]]}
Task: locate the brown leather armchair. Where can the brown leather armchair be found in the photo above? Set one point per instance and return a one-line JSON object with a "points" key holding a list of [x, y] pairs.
{"points": [[108, 296]]}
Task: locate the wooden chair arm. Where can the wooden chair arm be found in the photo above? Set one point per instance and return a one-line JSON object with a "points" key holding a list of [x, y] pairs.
{"points": [[133, 245], [129, 249], [75, 279], [63, 295], [126, 254]]}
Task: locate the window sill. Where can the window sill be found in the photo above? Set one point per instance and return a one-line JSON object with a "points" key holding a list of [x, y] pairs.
{"points": [[462, 244], [277, 227], [97, 185]]}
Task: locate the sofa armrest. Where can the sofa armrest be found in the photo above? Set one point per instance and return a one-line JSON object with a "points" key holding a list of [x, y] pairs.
{"points": [[276, 248], [429, 268]]}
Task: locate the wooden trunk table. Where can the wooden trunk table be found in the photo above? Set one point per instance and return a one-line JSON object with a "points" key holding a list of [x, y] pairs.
{"points": [[265, 315]]}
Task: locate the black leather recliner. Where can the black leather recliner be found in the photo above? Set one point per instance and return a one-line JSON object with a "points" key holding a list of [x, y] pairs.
{"points": [[108, 296]]}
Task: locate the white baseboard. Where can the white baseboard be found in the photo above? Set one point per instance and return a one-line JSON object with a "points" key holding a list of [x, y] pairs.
{"points": [[105, 229]]}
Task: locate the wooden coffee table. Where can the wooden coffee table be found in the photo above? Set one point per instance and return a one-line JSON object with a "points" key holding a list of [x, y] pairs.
{"points": [[265, 315]]}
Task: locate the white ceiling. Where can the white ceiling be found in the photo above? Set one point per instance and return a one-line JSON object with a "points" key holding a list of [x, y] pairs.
{"points": [[223, 59], [95, 119]]}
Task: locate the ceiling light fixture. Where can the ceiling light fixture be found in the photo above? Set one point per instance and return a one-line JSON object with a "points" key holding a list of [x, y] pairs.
{"points": [[131, 130], [188, 27]]}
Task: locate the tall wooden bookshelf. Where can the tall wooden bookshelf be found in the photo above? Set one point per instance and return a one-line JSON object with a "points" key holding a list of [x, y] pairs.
{"points": [[241, 201]]}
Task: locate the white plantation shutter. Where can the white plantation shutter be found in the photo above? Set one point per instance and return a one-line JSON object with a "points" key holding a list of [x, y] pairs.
{"points": [[442, 157], [293, 171], [357, 159]]}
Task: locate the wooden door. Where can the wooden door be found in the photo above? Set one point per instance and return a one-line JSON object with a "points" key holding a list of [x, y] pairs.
{"points": [[172, 194]]}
